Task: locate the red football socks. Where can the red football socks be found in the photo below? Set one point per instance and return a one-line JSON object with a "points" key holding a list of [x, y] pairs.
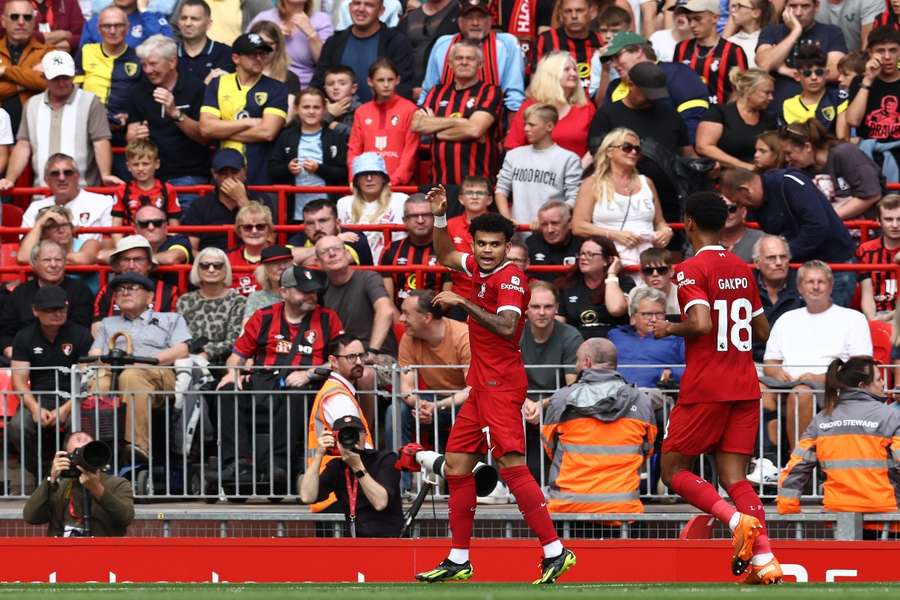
{"points": [[531, 502], [700, 493], [461, 509], [747, 501]]}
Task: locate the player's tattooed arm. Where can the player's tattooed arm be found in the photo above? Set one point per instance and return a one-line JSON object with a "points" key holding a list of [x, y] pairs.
{"points": [[502, 324]]}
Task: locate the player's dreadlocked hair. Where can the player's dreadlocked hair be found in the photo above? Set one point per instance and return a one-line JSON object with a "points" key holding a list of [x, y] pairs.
{"points": [[492, 223], [707, 210]]}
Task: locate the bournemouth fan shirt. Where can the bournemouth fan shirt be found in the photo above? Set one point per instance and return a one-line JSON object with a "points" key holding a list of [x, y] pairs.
{"points": [[719, 364], [712, 65], [130, 199], [556, 40], [496, 362], [884, 283], [452, 161], [269, 339], [403, 253]]}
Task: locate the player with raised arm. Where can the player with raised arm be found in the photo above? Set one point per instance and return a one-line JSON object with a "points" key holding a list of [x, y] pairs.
{"points": [[491, 418], [718, 406]]}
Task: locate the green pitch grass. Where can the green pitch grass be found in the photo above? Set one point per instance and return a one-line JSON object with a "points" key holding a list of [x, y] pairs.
{"points": [[464, 591]]}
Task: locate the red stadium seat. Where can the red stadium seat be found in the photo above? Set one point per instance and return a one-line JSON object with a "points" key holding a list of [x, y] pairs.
{"points": [[9, 402], [11, 217]]}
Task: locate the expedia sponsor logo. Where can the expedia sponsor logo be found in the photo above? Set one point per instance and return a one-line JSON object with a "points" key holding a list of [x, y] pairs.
{"points": [[515, 288], [685, 282]]}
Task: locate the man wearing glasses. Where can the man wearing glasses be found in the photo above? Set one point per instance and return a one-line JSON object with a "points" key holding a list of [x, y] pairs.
{"points": [[151, 223], [139, 26], [161, 335], [20, 52], [284, 341], [134, 254], [656, 273], [88, 209]]}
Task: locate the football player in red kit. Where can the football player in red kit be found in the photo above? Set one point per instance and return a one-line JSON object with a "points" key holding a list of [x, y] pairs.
{"points": [[718, 406], [491, 418]]}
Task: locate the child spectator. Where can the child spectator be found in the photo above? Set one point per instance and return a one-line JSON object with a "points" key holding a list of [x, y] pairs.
{"points": [[851, 66], [816, 100], [309, 154], [532, 174], [611, 21], [340, 89], [142, 160], [384, 125], [476, 197]]}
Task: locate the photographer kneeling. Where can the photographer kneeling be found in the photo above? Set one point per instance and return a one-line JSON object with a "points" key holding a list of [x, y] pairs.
{"points": [[378, 510], [77, 481]]}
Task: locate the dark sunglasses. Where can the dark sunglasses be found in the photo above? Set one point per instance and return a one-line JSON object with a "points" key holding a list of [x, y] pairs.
{"points": [[733, 208], [655, 270], [629, 148], [206, 266], [61, 173], [819, 71], [254, 227], [146, 223], [26, 17]]}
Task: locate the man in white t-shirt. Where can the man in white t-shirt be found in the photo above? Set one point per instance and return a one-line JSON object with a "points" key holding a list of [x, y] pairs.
{"points": [[88, 209], [805, 340]]}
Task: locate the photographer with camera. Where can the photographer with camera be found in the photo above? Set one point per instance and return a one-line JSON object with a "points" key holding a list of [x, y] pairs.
{"points": [[79, 499], [378, 510]]}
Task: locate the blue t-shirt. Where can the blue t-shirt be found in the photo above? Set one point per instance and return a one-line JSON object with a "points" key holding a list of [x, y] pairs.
{"points": [[141, 25], [636, 350], [359, 54], [828, 37], [310, 148]]}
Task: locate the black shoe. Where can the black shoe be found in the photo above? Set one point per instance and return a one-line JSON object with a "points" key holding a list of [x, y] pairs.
{"points": [[447, 571], [553, 568]]}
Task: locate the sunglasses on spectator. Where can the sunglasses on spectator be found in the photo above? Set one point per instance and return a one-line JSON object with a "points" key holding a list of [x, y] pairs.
{"points": [[206, 266], [248, 227], [628, 148], [664, 270], [26, 17], [819, 71], [146, 223], [57, 173], [732, 208]]}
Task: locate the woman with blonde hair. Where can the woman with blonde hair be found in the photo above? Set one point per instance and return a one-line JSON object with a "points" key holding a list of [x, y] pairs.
{"points": [[304, 31], [556, 82], [214, 310], [255, 230], [618, 203], [372, 201], [276, 61], [727, 134]]}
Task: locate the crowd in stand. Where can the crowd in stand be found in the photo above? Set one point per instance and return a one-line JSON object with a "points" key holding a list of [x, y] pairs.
{"points": [[586, 122]]}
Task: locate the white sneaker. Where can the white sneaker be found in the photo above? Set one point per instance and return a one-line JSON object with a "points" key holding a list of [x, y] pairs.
{"points": [[764, 471], [500, 495]]}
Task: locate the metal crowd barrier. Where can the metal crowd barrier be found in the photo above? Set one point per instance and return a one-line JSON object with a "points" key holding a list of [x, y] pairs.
{"points": [[186, 443]]}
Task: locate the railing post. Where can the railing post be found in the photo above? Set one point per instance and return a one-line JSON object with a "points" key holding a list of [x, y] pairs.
{"points": [[75, 395], [848, 526]]}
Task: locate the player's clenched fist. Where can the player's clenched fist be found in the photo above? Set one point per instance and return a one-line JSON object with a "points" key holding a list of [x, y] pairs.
{"points": [[660, 328]]}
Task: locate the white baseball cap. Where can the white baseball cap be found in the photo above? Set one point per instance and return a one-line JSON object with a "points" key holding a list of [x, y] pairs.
{"points": [[57, 63]]}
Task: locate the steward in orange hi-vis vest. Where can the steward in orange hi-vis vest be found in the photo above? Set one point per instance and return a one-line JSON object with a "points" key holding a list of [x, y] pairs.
{"points": [[318, 424], [597, 433], [858, 448]]}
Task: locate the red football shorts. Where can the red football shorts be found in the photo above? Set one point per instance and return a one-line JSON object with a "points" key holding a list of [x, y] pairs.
{"points": [[713, 427], [489, 420]]}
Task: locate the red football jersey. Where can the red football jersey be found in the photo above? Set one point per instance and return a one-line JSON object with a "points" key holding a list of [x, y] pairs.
{"points": [[719, 364], [496, 362]]}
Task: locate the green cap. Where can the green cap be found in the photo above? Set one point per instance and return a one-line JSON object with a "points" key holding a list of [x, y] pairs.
{"points": [[620, 41]]}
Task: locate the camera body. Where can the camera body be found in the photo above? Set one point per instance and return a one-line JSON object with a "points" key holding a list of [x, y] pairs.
{"points": [[348, 437], [93, 456]]}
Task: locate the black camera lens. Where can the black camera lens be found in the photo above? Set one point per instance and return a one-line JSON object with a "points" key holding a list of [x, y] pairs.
{"points": [[348, 436]]}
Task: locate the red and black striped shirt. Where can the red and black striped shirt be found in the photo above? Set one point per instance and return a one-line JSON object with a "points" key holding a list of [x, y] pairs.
{"points": [[888, 18], [556, 40], [884, 283], [490, 71], [164, 298], [270, 340], [452, 161], [712, 65], [404, 253]]}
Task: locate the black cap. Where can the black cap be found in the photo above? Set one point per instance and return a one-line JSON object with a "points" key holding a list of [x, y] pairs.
{"points": [[228, 158], [51, 296], [651, 80], [302, 279], [131, 277], [466, 6], [347, 421], [250, 43], [276, 253]]}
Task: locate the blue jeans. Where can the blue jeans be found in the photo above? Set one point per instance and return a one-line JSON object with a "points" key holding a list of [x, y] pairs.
{"points": [[185, 199], [844, 286]]}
